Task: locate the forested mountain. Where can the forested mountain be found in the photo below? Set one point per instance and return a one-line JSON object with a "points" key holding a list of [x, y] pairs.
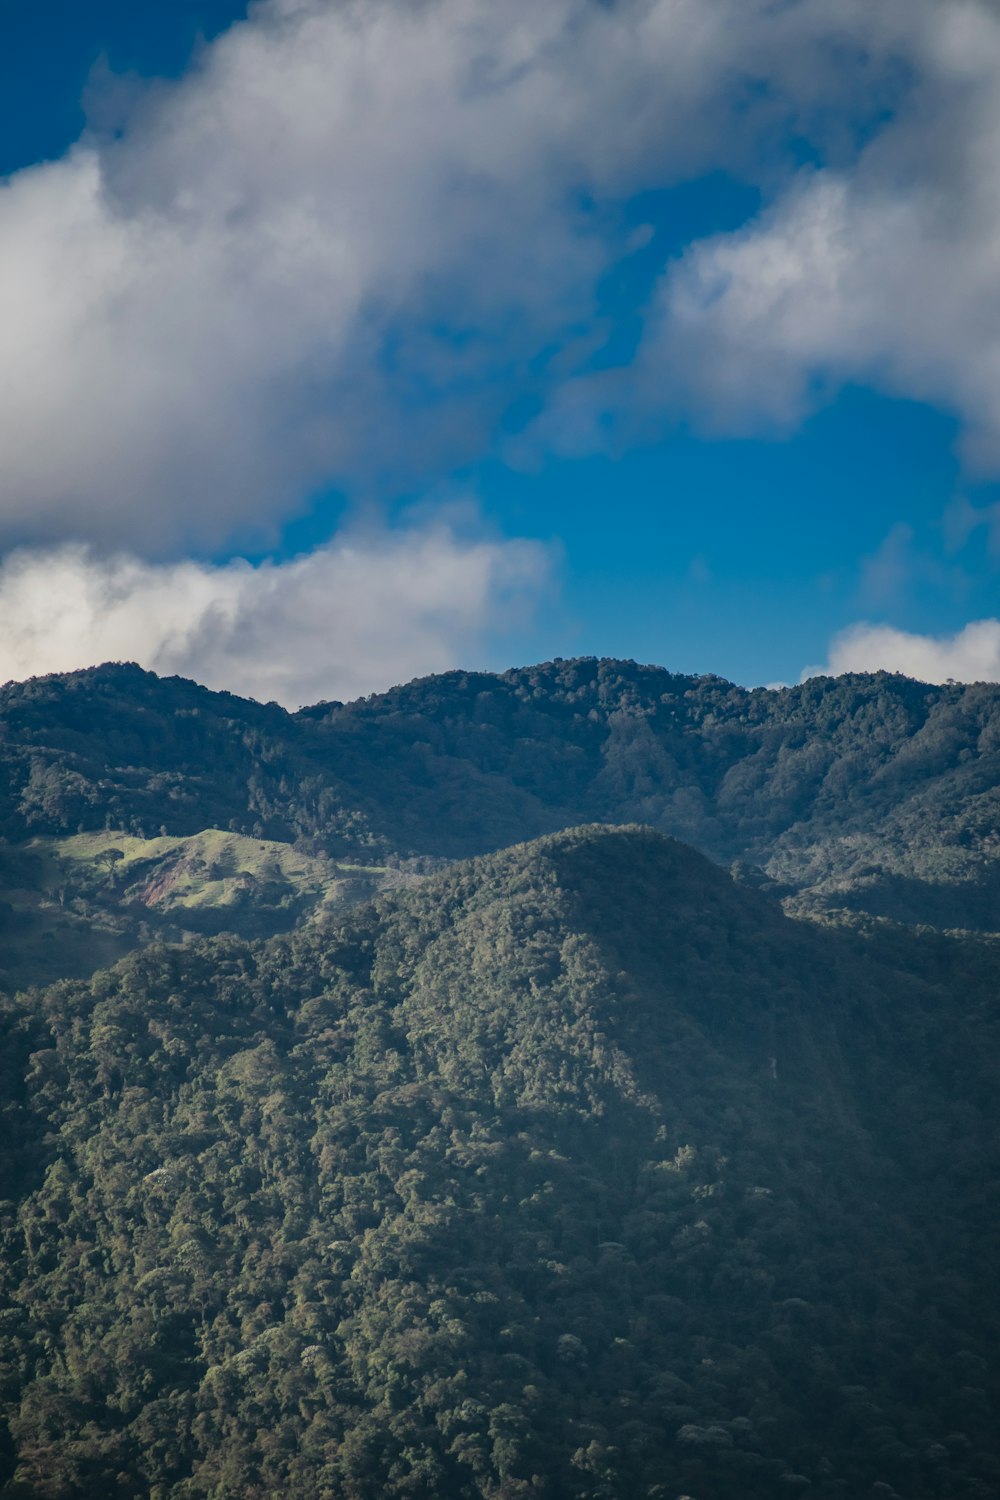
{"points": [[578, 1170], [875, 792]]}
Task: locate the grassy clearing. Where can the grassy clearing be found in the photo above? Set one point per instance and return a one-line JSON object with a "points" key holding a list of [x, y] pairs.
{"points": [[209, 869], [69, 905]]}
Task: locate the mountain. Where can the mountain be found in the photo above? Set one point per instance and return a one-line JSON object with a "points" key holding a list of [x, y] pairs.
{"points": [[576, 1170], [875, 792]]}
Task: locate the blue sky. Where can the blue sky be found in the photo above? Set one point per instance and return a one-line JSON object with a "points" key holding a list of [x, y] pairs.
{"points": [[347, 347]]}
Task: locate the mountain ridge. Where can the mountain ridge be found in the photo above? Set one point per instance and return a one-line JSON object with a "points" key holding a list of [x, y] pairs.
{"points": [[874, 792]]}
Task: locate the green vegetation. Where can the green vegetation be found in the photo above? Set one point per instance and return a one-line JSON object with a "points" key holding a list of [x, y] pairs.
{"points": [[212, 880], [575, 1171], [578, 1171], [72, 904], [872, 792]]}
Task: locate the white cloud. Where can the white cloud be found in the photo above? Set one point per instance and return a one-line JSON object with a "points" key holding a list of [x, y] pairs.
{"points": [[883, 269], [336, 249], [332, 251], [352, 617], [970, 655]]}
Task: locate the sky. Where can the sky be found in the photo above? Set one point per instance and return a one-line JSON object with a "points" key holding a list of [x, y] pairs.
{"points": [[349, 340]]}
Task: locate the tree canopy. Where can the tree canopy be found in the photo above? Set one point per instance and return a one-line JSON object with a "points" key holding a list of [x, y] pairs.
{"points": [[578, 1170], [874, 792]]}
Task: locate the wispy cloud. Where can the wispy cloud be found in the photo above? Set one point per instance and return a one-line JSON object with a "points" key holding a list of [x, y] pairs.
{"points": [[349, 618]]}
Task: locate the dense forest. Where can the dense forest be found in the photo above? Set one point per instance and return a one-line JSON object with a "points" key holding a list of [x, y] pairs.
{"points": [[871, 792], [574, 1171], [382, 1118]]}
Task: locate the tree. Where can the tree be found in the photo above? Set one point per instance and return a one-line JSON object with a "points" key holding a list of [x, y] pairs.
{"points": [[110, 859]]}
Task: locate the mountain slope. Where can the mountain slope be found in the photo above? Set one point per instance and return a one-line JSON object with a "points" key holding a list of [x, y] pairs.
{"points": [[578, 1170], [69, 905], [868, 791]]}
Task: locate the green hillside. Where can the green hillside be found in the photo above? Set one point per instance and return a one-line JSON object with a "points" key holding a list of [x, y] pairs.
{"points": [[69, 905], [873, 792], [575, 1171]]}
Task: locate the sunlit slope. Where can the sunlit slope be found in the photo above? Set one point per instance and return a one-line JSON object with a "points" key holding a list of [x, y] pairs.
{"points": [[578, 1170], [213, 878], [69, 905]]}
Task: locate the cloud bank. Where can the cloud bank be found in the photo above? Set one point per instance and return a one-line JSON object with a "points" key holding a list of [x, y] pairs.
{"points": [[336, 249], [970, 655], [352, 617]]}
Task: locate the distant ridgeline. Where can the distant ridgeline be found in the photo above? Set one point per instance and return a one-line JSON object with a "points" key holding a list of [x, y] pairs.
{"points": [[869, 792], [573, 1172]]}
